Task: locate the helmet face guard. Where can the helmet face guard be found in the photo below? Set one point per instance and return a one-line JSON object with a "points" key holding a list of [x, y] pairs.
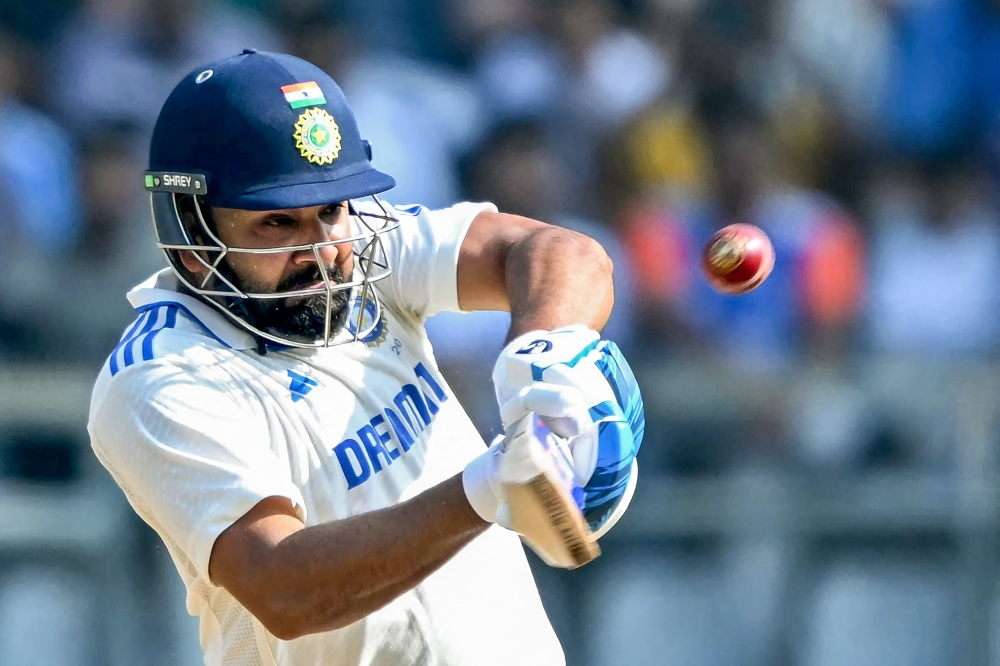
{"points": [[218, 287]]}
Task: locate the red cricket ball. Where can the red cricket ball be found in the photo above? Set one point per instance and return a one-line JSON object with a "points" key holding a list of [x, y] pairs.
{"points": [[737, 259]]}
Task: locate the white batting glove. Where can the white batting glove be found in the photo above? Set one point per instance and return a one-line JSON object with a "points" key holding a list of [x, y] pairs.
{"points": [[526, 482], [535, 360], [583, 389]]}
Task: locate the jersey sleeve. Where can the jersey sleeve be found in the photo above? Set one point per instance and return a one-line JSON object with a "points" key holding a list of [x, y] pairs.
{"points": [[424, 253], [192, 456]]}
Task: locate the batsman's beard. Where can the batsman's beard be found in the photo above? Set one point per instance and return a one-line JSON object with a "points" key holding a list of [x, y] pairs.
{"points": [[302, 318]]}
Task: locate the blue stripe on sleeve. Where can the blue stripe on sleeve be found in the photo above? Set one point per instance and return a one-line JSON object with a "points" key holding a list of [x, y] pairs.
{"points": [[136, 324], [143, 333], [147, 343], [125, 340], [128, 356], [190, 315]]}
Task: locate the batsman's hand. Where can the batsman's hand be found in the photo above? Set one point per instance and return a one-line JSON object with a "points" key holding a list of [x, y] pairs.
{"points": [[526, 482], [583, 389]]}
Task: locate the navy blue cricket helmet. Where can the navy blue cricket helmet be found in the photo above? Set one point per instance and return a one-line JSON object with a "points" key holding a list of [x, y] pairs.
{"points": [[262, 131]]}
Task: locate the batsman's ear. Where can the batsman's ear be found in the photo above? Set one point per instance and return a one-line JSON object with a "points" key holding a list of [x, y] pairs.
{"points": [[186, 207]]}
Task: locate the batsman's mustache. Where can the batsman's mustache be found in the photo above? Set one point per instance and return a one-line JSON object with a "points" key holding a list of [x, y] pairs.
{"points": [[312, 277]]}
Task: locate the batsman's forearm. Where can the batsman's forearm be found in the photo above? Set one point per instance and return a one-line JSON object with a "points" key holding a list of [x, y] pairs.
{"points": [[328, 576], [556, 277]]}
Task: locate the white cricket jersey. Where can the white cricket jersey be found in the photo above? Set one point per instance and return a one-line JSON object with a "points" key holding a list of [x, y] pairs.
{"points": [[197, 428]]}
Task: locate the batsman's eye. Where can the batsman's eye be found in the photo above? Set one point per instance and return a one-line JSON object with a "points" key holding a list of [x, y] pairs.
{"points": [[331, 212], [278, 222]]}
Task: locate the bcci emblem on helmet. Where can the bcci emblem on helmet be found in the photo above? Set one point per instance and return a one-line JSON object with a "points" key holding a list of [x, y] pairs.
{"points": [[317, 136]]}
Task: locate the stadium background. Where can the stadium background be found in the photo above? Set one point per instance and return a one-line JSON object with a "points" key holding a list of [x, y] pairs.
{"points": [[820, 465]]}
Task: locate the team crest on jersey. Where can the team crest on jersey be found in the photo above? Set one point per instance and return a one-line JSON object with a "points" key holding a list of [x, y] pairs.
{"points": [[317, 136], [371, 323]]}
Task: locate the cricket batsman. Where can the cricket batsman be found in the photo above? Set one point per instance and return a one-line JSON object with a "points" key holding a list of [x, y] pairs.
{"points": [[275, 412]]}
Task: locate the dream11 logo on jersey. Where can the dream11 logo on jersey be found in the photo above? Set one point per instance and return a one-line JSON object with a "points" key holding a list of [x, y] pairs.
{"points": [[412, 411]]}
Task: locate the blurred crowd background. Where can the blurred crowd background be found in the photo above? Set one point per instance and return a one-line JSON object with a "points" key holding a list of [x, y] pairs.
{"points": [[819, 470]]}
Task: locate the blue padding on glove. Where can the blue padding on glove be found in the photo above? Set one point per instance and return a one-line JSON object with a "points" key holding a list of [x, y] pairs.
{"points": [[621, 428], [614, 467], [619, 374]]}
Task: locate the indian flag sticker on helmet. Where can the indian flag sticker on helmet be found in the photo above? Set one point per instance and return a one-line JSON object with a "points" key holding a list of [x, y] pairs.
{"points": [[299, 95], [317, 136]]}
